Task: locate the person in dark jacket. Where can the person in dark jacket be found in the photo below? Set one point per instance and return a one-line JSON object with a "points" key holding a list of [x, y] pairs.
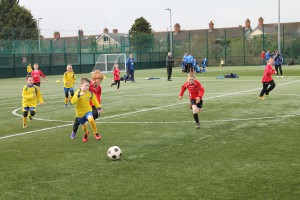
{"points": [[169, 64], [278, 62]]}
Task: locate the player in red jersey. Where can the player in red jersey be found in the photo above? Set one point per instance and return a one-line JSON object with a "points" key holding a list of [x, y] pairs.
{"points": [[116, 77], [96, 89], [267, 80], [36, 74], [196, 92]]}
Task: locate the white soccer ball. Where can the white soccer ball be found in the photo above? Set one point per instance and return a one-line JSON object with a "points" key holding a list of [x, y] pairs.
{"points": [[114, 153]]}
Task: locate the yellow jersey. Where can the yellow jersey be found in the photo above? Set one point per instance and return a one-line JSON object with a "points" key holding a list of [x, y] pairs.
{"points": [[69, 79], [82, 103], [31, 94], [29, 69]]}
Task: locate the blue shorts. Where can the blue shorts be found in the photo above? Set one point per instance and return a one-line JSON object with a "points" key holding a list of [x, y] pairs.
{"points": [[28, 109], [68, 89], [84, 119]]}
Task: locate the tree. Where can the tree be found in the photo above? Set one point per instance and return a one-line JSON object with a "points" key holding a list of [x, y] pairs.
{"points": [[16, 22], [141, 35]]}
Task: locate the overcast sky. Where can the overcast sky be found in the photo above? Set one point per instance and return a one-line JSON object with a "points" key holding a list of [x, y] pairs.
{"points": [[92, 16]]}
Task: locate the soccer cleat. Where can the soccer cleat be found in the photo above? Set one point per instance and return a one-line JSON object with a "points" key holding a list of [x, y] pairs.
{"points": [[97, 136], [66, 105], [281, 76], [24, 126], [84, 138], [261, 98], [73, 134], [197, 125]]}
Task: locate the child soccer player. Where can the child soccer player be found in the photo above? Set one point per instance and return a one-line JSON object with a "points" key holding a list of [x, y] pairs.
{"points": [[96, 90], [69, 79], [222, 63], [267, 80], [29, 69], [116, 77], [196, 92], [36, 73], [30, 94]]}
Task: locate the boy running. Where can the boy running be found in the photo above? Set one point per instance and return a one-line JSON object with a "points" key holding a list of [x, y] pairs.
{"points": [[196, 92], [30, 94], [267, 80], [95, 90], [69, 80]]}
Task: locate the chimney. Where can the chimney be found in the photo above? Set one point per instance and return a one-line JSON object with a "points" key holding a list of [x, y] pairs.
{"points": [[80, 33], [56, 35], [247, 24], [260, 22], [176, 28], [211, 26], [105, 30], [115, 31]]}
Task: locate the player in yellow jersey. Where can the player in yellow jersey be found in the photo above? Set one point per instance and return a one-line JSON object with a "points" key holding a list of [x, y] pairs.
{"points": [[29, 69], [69, 80], [81, 100], [30, 94]]}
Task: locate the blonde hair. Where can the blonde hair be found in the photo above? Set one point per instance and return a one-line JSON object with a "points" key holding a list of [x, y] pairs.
{"points": [[97, 75]]}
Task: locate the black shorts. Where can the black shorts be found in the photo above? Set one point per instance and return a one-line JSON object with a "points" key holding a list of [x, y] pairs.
{"points": [[199, 105], [37, 84]]}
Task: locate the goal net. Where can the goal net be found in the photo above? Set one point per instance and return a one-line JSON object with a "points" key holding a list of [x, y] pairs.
{"points": [[106, 62]]}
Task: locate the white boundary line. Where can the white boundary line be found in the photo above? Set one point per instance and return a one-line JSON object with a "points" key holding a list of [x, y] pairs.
{"points": [[149, 109]]}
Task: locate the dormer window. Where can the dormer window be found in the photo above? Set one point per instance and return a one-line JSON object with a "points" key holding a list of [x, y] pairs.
{"points": [[106, 39]]}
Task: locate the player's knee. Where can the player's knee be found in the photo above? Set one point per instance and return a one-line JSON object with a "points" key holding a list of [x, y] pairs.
{"points": [[67, 94], [25, 113], [72, 92], [32, 113]]}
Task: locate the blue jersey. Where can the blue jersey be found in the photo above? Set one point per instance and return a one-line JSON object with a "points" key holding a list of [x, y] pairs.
{"points": [[204, 61], [190, 59], [130, 63]]}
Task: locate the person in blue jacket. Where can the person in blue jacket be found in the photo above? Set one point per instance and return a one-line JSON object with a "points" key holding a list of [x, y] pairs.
{"points": [[130, 68], [278, 62]]}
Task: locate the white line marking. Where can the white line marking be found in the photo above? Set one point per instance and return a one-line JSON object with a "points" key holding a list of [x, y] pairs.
{"points": [[149, 109]]}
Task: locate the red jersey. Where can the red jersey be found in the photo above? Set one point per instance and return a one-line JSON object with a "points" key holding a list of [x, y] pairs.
{"points": [[267, 77], [36, 74], [263, 55], [96, 90], [195, 89], [116, 74]]}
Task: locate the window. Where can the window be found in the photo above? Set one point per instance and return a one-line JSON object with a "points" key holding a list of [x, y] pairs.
{"points": [[106, 39]]}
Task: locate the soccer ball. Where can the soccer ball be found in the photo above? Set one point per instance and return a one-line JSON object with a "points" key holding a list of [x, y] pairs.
{"points": [[114, 153]]}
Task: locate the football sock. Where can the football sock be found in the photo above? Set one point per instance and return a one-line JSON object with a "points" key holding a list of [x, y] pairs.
{"points": [[24, 120], [66, 100], [85, 129], [93, 124], [196, 117]]}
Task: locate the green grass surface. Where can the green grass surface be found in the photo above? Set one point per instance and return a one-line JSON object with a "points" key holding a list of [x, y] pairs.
{"points": [[245, 149]]}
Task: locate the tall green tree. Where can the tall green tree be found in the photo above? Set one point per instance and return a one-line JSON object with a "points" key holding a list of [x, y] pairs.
{"points": [[16, 22], [141, 35]]}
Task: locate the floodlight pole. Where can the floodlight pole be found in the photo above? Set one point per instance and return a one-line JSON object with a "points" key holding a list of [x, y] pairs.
{"points": [[279, 50], [171, 35], [39, 36]]}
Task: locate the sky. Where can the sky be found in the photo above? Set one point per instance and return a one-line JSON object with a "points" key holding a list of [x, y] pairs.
{"points": [[92, 16]]}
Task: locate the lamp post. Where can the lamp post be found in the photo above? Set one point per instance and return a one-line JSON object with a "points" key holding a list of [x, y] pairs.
{"points": [[279, 50], [38, 26], [171, 37]]}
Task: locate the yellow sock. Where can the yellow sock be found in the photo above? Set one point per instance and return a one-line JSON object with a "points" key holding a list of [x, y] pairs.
{"points": [[93, 124], [66, 100], [85, 129], [24, 121]]}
